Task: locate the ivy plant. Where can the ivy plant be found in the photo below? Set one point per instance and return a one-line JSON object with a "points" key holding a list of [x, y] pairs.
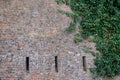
{"points": [[101, 19]]}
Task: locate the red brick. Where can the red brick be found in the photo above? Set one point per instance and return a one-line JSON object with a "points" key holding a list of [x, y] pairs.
{"points": [[49, 76], [10, 79], [34, 77], [3, 25]]}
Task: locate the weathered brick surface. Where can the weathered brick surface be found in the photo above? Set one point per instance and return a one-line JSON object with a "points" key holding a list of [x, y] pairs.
{"points": [[35, 29], [10, 79]]}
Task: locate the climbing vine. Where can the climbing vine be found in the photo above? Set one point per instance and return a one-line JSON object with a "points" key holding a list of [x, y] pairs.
{"points": [[100, 19]]}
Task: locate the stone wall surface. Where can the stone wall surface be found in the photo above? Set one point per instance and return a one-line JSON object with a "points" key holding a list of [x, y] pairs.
{"points": [[35, 29]]}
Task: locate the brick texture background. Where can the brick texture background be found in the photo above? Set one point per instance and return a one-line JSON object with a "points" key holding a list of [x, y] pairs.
{"points": [[35, 29]]}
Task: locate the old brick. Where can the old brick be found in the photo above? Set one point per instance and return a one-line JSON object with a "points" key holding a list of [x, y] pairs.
{"points": [[34, 77], [51, 32], [10, 79], [3, 25], [5, 63], [47, 48], [21, 45], [18, 68], [49, 76]]}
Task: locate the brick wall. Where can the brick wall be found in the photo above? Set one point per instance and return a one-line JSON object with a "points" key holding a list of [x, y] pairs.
{"points": [[35, 29]]}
